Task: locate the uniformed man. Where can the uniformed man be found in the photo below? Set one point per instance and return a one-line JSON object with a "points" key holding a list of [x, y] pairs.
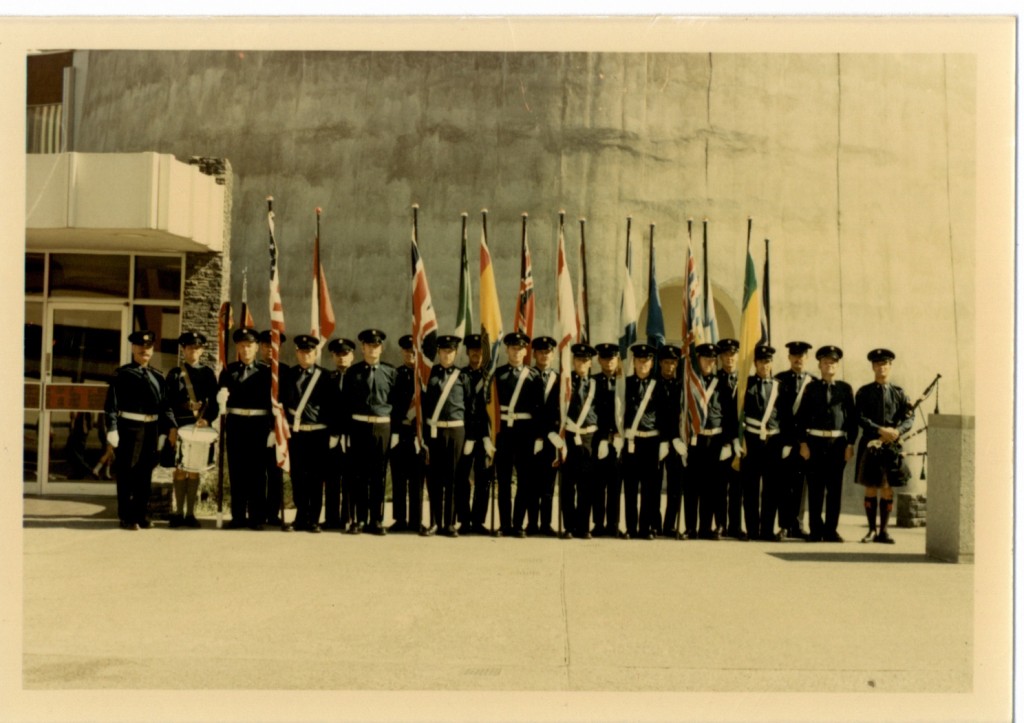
{"points": [[709, 447], [368, 400], [307, 394], [794, 383], [644, 448], [578, 481], [249, 431], [520, 393], [731, 480], [763, 448], [446, 406], [884, 414], [607, 475], [669, 408], [337, 495], [546, 425], [137, 415], [474, 460], [192, 393], [408, 467], [275, 474], [826, 428]]}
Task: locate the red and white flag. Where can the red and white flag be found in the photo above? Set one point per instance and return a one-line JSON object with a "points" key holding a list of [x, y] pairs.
{"points": [[424, 327], [322, 313], [568, 330], [524, 302], [276, 329]]}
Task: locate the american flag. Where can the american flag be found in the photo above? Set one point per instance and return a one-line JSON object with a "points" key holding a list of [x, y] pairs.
{"points": [[322, 313], [424, 326], [695, 399], [568, 330], [524, 302], [276, 329]]}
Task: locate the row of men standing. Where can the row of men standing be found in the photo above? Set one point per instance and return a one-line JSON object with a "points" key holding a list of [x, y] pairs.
{"points": [[348, 424]]}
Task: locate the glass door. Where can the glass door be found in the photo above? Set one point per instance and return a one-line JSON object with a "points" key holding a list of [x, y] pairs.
{"points": [[85, 343]]}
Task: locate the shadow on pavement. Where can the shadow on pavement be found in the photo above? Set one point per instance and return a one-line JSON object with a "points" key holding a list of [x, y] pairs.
{"points": [[854, 557]]}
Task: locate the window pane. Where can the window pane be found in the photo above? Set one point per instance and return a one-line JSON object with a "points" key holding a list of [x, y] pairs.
{"points": [[158, 277], [78, 442], [86, 345], [33, 338], [31, 442], [88, 275], [166, 322], [34, 267]]}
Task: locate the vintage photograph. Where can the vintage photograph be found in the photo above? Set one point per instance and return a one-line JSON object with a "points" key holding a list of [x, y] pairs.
{"points": [[618, 368]]}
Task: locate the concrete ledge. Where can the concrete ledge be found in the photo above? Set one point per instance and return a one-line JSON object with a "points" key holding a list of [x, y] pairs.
{"points": [[950, 531]]}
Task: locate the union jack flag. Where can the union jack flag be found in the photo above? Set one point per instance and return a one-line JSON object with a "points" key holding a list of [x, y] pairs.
{"points": [[524, 302], [424, 327], [276, 329]]}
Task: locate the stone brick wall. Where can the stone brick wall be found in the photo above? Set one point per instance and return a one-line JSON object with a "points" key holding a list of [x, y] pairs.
{"points": [[911, 510]]}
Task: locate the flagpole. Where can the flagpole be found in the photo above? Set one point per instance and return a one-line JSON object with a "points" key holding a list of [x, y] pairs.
{"points": [[707, 314], [225, 334], [767, 297], [417, 397], [584, 330]]}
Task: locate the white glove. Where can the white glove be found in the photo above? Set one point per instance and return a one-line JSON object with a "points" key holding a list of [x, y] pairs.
{"points": [[216, 424], [113, 438], [415, 443], [602, 449], [538, 445], [334, 441], [679, 446], [617, 442], [345, 442], [467, 448], [394, 441], [489, 447], [662, 451], [786, 449], [271, 439], [161, 441], [222, 399], [556, 441], [725, 454]]}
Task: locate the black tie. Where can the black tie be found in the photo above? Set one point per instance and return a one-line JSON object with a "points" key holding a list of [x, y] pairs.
{"points": [[304, 378], [828, 393]]}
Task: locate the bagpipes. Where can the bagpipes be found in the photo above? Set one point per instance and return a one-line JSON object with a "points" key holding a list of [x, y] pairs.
{"points": [[890, 456]]}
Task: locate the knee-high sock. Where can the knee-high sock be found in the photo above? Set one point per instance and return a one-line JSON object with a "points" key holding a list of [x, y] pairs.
{"points": [[870, 506], [884, 509]]}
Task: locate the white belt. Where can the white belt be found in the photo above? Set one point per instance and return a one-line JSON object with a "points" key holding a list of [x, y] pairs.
{"points": [[308, 427], [572, 427], [518, 415], [630, 434], [138, 417], [449, 423], [705, 433], [827, 433], [762, 433], [243, 412], [371, 419]]}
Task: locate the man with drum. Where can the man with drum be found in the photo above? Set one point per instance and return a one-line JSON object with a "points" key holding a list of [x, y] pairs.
{"points": [[137, 416], [249, 431], [191, 390]]}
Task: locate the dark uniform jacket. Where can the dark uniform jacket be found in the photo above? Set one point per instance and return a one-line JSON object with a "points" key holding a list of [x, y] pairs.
{"points": [[476, 419], [636, 390], [550, 416], [204, 387], [667, 395], [581, 387], [372, 392], [790, 385], [881, 405], [530, 396], [252, 392], [138, 390], [458, 405], [756, 403], [403, 416], [321, 404], [825, 409], [604, 401], [721, 410]]}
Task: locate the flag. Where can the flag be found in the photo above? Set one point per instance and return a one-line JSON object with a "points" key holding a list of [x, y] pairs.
{"points": [[695, 398], [693, 310], [655, 319], [464, 315], [750, 330], [766, 319], [224, 322], [710, 319], [245, 318], [568, 330], [276, 329], [627, 322], [490, 326], [582, 308], [524, 302], [424, 330], [321, 313]]}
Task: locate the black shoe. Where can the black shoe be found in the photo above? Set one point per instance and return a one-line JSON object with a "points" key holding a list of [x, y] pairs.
{"points": [[255, 526], [883, 537], [399, 527], [191, 521], [742, 537], [598, 531], [451, 532], [521, 534], [870, 537], [796, 533], [649, 536], [815, 537], [313, 528], [234, 524], [145, 524], [622, 535], [548, 531], [770, 537], [286, 527], [428, 531], [566, 535], [832, 537], [125, 525], [274, 521], [175, 521], [376, 529]]}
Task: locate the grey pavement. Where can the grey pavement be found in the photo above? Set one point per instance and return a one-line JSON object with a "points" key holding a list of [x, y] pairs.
{"points": [[239, 609]]}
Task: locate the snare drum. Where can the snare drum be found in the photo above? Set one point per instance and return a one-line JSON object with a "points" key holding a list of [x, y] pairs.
{"points": [[195, 448]]}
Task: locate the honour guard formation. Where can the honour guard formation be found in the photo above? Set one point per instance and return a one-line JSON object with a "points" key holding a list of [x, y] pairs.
{"points": [[530, 438]]}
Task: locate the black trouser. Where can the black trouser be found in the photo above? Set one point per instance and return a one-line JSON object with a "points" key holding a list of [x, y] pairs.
{"points": [[673, 471], [607, 491], [369, 454], [577, 484], [134, 461], [247, 466], [515, 451], [792, 472], [308, 454], [825, 483], [733, 482], [275, 486], [543, 510], [333, 515], [407, 472], [705, 485], [640, 473], [760, 470], [445, 453], [483, 475]]}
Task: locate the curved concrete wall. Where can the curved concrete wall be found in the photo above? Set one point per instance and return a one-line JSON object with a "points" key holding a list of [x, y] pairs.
{"points": [[859, 168]]}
